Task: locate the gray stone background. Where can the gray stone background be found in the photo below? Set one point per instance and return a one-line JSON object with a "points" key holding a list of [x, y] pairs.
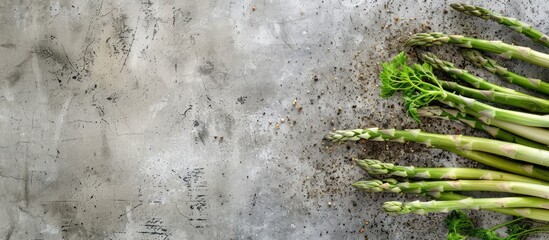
{"points": [[163, 119]]}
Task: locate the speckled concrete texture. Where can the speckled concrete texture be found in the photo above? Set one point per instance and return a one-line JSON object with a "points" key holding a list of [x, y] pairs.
{"points": [[203, 119]]}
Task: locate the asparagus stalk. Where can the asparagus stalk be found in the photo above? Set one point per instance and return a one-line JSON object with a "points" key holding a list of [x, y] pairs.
{"points": [[398, 76], [464, 75], [498, 47], [434, 188], [511, 150], [496, 132], [446, 196], [467, 203], [531, 213], [528, 212], [492, 66], [512, 23], [494, 161], [529, 103], [540, 135], [376, 167]]}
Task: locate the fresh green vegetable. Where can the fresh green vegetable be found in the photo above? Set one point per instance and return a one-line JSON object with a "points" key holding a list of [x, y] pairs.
{"points": [[529, 103], [498, 47], [519, 212], [504, 164], [524, 135], [510, 150], [512, 23], [434, 188], [494, 131], [398, 76], [464, 75], [376, 167], [468, 203], [460, 226], [540, 135], [492, 66]]}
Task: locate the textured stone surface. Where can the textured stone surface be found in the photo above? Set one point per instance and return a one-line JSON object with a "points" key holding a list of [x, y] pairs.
{"points": [[203, 119]]}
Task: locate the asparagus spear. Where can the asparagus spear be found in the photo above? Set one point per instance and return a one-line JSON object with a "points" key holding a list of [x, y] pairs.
{"points": [[498, 47], [464, 75], [468, 203], [434, 188], [398, 76], [492, 66], [511, 150], [540, 135], [512, 23], [496, 132], [376, 167], [494, 161], [529, 103], [528, 212]]}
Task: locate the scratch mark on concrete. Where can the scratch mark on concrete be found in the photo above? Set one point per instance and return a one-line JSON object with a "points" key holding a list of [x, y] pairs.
{"points": [[131, 134], [100, 7], [71, 139], [126, 212], [184, 114], [16, 75], [16, 178], [131, 45], [26, 187], [110, 11], [188, 218], [68, 59], [10, 231], [59, 123]]}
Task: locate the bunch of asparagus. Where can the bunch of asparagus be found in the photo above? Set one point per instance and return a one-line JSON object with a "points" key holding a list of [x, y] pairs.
{"points": [[520, 150]]}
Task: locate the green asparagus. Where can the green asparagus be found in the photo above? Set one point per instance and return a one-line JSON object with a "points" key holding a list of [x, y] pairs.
{"points": [[528, 212], [506, 50], [434, 188], [492, 66], [512, 23], [376, 167], [398, 76], [468, 203], [529, 103], [506, 149], [529, 170], [494, 131], [464, 75], [540, 135]]}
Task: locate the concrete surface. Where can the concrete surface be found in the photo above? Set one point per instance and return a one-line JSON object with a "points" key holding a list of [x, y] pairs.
{"points": [[163, 119]]}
